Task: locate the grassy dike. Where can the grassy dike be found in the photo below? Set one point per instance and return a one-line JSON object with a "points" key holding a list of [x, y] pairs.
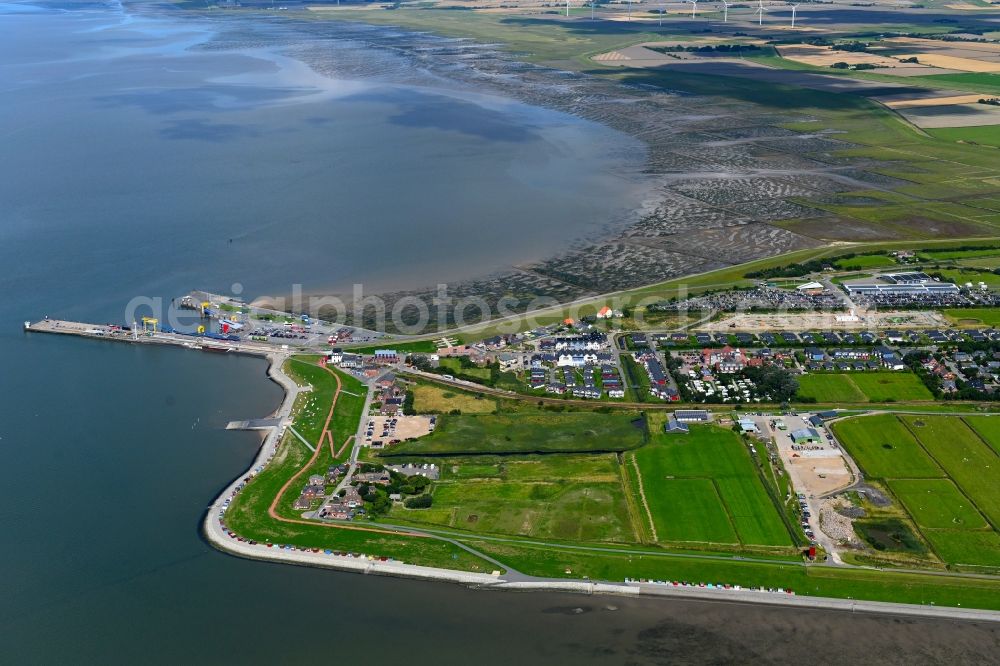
{"points": [[248, 516], [843, 583], [248, 513]]}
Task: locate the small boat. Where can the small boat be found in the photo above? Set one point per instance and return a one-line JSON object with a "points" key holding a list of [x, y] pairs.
{"points": [[217, 350]]}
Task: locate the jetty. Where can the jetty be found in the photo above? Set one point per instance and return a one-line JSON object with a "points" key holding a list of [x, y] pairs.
{"points": [[143, 335]]}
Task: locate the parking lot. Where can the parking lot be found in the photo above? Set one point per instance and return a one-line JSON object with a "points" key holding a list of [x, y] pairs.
{"points": [[814, 468], [393, 429]]}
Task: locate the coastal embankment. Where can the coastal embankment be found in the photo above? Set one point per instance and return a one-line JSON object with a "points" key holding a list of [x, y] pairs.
{"points": [[218, 536]]}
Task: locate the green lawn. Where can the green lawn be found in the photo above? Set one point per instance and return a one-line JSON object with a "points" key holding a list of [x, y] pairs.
{"points": [[944, 255], [839, 582], [453, 366], [988, 135], [968, 547], [953, 514], [963, 275], [684, 509], [248, 513], [976, 316], [313, 406], [703, 486], [987, 428], [891, 386], [563, 497], [937, 503], [536, 431], [973, 465], [884, 448], [863, 387], [830, 388], [865, 261]]}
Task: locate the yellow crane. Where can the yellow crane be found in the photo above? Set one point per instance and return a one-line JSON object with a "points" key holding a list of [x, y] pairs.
{"points": [[149, 324]]}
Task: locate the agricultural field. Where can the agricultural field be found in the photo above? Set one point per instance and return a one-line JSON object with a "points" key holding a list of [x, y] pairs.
{"points": [[970, 547], [533, 431], [884, 448], [863, 387], [988, 263], [942, 472], [988, 135], [891, 386], [429, 398], [865, 261], [987, 428], [704, 487], [937, 504], [829, 388], [564, 497], [974, 465]]}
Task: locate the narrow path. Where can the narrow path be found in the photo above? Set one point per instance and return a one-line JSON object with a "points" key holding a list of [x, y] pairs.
{"points": [[342, 448], [642, 496], [394, 530], [303, 439], [272, 510]]}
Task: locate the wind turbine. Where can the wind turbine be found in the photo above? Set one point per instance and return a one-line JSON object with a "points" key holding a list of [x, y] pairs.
{"points": [[760, 12], [725, 11], [694, 7], [663, 10], [592, 3], [629, 10], [793, 14], [567, 9]]}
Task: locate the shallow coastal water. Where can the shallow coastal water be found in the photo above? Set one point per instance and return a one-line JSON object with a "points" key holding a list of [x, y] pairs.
{"points": [[111, 453], [183, 150]]}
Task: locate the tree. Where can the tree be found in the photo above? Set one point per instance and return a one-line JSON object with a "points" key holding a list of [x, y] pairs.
{"points": [[423, 501], [773, 381]]}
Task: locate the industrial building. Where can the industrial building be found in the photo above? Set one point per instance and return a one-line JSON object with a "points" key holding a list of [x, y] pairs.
{"points": [[873, 288]]}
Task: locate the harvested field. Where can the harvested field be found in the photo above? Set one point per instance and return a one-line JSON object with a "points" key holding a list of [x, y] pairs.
{"points": [[611, 56], [933, 101], [987, 49], [824, 56], [955, 62], [955, 115], [429, 399]]}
